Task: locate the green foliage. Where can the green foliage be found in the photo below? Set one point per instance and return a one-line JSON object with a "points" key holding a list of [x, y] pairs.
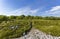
{"points": [[51, 27], [13, 29], [15, 26], [2, 18]]}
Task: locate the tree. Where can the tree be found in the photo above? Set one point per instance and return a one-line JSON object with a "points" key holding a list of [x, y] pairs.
{"points": [[3, 18], [20, 17], [12, 17]]}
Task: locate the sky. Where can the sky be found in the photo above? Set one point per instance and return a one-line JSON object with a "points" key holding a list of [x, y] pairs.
{"points": [[30, 7]]}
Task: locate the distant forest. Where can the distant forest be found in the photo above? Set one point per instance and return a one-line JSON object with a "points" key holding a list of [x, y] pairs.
{"points": [[7, 18]]}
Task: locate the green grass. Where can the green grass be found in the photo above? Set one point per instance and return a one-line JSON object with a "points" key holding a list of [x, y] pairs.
{"points": [[7, 32], [48, 26]]}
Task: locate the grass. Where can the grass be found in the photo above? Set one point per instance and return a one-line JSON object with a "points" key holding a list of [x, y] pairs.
{"points": [[48, 26], [7, 30]]}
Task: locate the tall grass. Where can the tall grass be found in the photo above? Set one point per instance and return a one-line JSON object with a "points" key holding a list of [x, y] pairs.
{"points": [[48, 26]]}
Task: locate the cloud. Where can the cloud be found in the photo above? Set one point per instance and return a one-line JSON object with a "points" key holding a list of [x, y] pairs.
{"points": [[2, 7], [23, 11], [54, 10], [20, 11]]}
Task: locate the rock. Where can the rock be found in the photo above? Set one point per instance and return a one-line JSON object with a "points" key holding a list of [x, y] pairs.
{"points": [[36, 34]]}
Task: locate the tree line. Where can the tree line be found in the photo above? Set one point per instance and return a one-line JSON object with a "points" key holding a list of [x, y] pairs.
{"points": [[6, 18]]}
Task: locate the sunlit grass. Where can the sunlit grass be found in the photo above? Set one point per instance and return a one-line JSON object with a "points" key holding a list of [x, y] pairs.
{"points": [[49, 27]]}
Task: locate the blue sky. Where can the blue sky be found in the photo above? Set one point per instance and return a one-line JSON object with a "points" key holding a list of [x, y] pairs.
{"points": [[30, 7]]}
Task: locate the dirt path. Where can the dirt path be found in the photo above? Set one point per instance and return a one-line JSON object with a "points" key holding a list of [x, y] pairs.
{"points": [[36, 34]]}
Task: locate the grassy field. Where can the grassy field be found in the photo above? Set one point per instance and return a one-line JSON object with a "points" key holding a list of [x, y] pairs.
{"points": [[14, 29], [51, 27]]}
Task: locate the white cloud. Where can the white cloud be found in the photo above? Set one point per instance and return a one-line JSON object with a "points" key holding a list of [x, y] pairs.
{"points": [[54, 10], [20, 11], [23, 11], [2, 8]]}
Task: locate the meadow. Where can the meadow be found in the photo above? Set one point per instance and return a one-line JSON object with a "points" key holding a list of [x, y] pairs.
{"points": [[13, 29], [51, 27], [16, 26]]}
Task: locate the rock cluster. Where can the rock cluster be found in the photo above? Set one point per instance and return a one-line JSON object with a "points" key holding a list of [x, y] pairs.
{"points": [[36, 34]]}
